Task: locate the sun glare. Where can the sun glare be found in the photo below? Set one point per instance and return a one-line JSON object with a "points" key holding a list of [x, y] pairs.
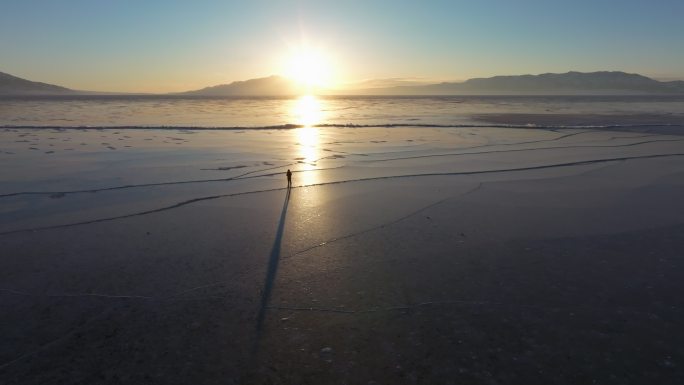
{"points": [[309, 68], [307, 111]]}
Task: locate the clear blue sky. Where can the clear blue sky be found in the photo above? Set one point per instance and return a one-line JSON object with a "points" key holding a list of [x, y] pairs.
{"points": [[154, 45]]}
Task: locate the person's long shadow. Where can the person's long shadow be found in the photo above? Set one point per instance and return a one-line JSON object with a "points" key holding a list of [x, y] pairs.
{"points": [[272, 266]]}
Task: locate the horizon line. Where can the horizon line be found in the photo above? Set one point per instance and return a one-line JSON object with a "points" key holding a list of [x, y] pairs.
{"points": [[340, 88]]}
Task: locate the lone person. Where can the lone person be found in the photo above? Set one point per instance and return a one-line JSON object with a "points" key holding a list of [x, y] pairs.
{"points": [[289, 178]]}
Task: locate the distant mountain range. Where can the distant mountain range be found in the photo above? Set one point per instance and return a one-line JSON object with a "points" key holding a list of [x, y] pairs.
{"points": [[570, 83], [270, 86], [581, 83], [12, 85]]}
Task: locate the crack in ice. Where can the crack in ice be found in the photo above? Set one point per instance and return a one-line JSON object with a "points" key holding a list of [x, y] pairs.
{"points": [[479, 172]]}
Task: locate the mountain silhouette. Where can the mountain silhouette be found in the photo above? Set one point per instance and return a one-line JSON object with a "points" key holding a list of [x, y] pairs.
{"points": [[570, 83], [268, 86], [12, 85], [580, 83]]}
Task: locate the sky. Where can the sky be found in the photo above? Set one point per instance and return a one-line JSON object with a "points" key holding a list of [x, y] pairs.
{"points": [[166, 46]]}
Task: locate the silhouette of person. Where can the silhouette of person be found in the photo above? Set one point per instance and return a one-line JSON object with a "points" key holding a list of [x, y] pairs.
{"points": [[289, 178]]}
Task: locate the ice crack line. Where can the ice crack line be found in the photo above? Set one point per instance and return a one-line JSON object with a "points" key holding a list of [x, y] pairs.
{"points": [[123, 187], [479, 172], [332, 240], [489, 144], [139, 185], [387, 224], [524, 150], [241, 176], [183, 292]]}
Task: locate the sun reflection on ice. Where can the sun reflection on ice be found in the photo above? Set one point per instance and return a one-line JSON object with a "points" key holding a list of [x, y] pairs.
{"points": [[308, 146], [308, 112]]}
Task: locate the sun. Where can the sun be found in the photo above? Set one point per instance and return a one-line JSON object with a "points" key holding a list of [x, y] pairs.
{"points": [[310, 68]]}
